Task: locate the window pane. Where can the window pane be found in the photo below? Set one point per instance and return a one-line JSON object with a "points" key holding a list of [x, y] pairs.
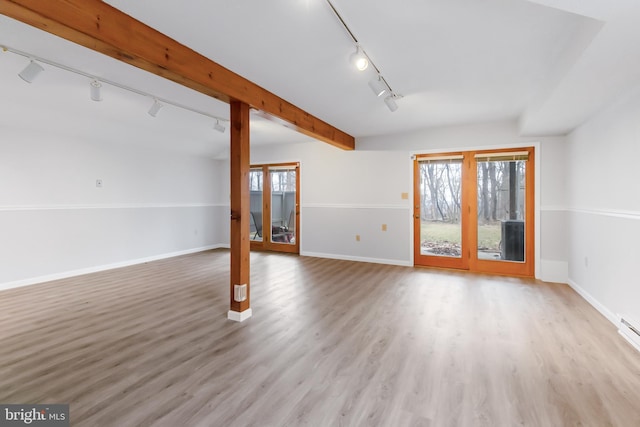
{"points": [[255, 193], [501, 210], [440, 192], [283, 205]]}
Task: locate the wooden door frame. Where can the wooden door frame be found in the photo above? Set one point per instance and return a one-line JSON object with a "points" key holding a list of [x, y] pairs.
{"points": [[469, 243], [461, 263], [266, 244], [526, 268]]}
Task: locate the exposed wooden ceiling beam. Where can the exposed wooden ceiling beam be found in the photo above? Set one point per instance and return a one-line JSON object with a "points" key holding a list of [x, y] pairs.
{"points": [[103, 28]]}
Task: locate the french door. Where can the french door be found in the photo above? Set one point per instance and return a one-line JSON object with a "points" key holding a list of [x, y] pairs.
{"points": [[275, 200], [474, 210]]}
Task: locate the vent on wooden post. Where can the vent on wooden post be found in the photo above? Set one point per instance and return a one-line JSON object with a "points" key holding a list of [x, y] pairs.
{"points": [[630, 330]]}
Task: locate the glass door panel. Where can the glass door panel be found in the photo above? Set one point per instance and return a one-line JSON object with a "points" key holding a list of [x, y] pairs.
{"points": [[283, 204], [440, 226], [255, 193], [501, 209], [439, 207]]}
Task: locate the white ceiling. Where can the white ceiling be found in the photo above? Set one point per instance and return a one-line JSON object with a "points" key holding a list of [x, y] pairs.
{"points": [[550, 64]]}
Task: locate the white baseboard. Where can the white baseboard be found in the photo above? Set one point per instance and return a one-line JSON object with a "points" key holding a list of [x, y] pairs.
{"points": [[595, 303], [239, 316], [80, 272], [613, 318], [554, 271], [358, 259], [630, 341]]}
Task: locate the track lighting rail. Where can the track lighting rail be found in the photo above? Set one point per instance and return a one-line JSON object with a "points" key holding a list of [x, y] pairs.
{"points": [[380, 82], [94, 79]]}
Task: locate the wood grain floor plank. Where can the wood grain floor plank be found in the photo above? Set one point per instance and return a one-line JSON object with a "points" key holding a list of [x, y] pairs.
{"points": [[331, 343]]}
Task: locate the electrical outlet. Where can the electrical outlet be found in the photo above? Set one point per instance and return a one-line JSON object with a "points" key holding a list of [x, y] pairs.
{"points": [[384, 227], [99, 183], [240, 292], [357, 237], [404, 196]]}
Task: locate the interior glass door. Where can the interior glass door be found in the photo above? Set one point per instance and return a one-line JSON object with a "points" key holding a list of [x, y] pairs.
{"points": [[275, 199]]}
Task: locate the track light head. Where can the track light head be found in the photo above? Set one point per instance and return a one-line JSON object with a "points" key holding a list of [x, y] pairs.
{"points": [[31, 71], [390, 100], [378, 86], [219, 126], [157, 105], [359, 59], [94, 89]]}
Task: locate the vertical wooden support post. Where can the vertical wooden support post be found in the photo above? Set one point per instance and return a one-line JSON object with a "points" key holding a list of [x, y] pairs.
{"points": [[240, 165]]}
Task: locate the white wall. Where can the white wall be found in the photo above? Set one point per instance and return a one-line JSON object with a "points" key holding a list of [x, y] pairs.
{"points": [[55, 222], [156, 203], [604, 208], [348, 193], [345, 193], [553, 245]]}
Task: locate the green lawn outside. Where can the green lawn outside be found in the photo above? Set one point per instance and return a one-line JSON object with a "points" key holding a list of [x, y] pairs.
{"points": [[440, 232]]}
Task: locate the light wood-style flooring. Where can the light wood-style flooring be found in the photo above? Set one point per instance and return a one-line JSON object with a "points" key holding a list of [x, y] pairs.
{"points": [[331, 343]]}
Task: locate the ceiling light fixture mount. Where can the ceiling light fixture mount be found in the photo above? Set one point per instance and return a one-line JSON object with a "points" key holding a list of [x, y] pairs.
{"points": [[31, 71], [157, 105], [391, 102], [359, 59], [378, 86], [94, 90], [219, 126]]}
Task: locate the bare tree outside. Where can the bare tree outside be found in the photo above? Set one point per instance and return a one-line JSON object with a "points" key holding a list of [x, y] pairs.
{"points": [[440, 208], [283, 180], [255, 180], [500, 198]]}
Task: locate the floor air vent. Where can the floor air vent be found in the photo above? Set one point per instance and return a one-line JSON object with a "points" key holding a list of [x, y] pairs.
{"points": [[630, 330]]}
